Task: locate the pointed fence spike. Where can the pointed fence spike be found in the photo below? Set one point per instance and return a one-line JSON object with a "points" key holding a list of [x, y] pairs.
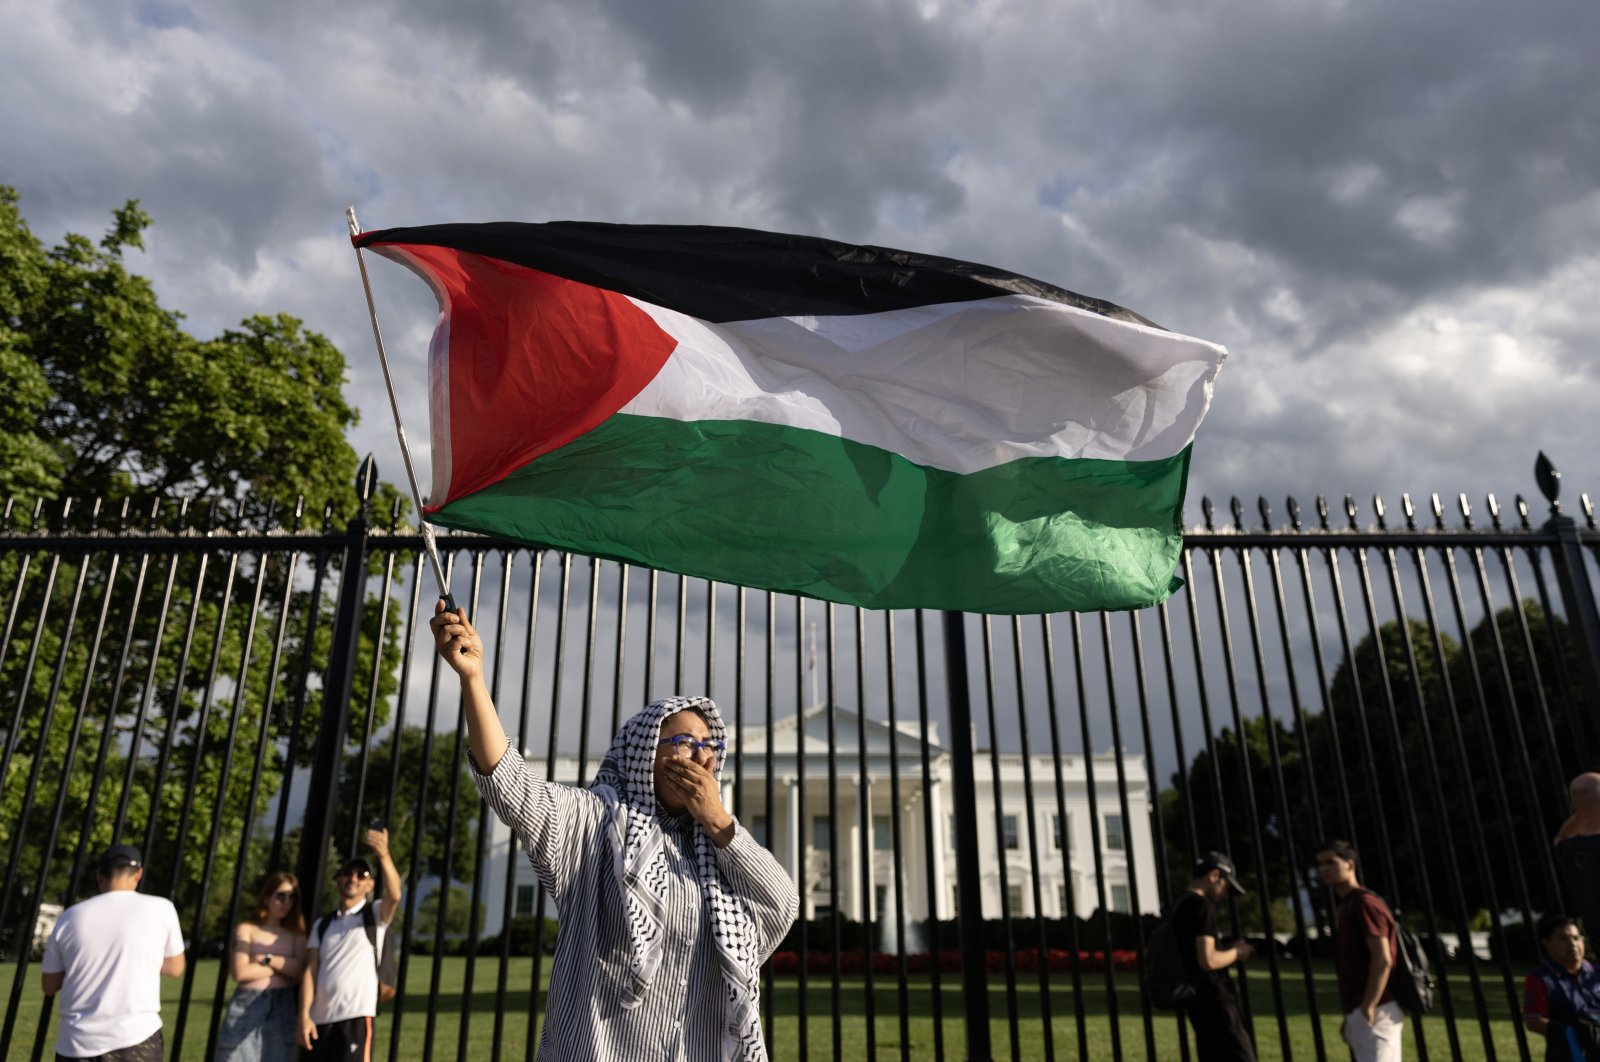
{"points": [[1549, 480], [1322, 511], [1493, 505], [1293, 509], [366, 482], [1207, 511], [1409, 509], [1588, 508], [1379, 508], [1266, 512], [1237, 509], [1522, 512], [1350, 511]]}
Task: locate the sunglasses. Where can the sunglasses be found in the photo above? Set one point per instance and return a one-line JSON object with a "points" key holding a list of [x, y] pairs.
{"points": [[284, 897], [360, 875]]}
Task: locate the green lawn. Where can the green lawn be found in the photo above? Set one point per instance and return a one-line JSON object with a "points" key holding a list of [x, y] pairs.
{"points": [[786, 1040]]}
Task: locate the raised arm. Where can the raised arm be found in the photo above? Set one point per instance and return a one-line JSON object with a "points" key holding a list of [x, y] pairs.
{"points": [[555, 824], [457, 642], [378, 841]]}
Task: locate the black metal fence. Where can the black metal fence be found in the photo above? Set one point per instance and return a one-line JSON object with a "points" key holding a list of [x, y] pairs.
{"points": [[241, 693]]}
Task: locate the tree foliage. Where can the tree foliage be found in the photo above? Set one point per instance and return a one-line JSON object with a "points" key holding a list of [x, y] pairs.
{"points": [[1424, 741], [136, 687], [111, 397]]}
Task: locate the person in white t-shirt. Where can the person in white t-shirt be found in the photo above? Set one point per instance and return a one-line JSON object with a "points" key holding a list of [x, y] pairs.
{"points": [[339, 992], [106, 958]]}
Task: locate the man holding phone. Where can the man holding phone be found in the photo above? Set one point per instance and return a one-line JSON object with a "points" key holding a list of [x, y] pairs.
{"points": [[339, 992]]}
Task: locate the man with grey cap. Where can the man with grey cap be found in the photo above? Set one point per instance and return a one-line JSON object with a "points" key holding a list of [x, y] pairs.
{"points": [[1219, 1031], [106, 957]]}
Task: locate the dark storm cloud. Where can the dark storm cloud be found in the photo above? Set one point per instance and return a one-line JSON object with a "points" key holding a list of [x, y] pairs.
{"points": [[1387, 212]]}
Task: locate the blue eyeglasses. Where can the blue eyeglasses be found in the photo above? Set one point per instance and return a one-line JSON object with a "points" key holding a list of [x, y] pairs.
{"points": [[685, 745]]}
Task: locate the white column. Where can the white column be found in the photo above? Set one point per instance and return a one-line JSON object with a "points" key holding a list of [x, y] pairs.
{"points": [[850, 863], [940, 841], [791, 840]]}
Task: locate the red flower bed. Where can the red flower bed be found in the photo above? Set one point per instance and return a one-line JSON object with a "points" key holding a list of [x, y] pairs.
{"points": [[1058, 960]]}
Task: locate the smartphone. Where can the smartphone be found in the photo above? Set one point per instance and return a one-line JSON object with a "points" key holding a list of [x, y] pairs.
{"points": [[379, 823]]}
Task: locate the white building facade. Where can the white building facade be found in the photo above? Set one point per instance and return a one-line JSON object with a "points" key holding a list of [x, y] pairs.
{"points": [[809, 837]]}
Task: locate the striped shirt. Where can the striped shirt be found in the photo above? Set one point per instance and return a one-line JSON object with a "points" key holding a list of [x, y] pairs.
{"points": [[680, 1018]]}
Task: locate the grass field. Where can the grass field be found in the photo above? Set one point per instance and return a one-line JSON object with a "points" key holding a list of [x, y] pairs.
{"points": [[451, 998]]}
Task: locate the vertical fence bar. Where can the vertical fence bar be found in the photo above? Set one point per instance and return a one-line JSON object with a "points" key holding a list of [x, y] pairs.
{"points": [[430, 721], [1252, 812], [969, 912], [337, 682], [835, 997], [197, 928], [1041, 937], [1578, 597], [556, 667], [1113, 710], [805, 842], [1008, 941], [933, 827], [897, 861], [441, 909], [865, 846], [47, 851], [1280, 798], [508, 900], [298, 711], [1065, 834], [484, 820], [768, 992]]}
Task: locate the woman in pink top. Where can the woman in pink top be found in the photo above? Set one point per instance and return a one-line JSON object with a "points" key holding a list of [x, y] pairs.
{"points": [[269, 952]]}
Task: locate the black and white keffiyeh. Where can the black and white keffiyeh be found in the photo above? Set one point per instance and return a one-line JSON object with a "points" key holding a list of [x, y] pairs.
{"points": [[626, 784]]}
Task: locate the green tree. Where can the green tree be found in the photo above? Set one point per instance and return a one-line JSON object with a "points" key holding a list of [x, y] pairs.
{"points": [[1402, 707], [158, 711], [457, 914], [400, 797]]}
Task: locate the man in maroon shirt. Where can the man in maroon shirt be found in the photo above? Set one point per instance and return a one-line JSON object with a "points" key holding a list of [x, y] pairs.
{"points": [[1365, 946]]}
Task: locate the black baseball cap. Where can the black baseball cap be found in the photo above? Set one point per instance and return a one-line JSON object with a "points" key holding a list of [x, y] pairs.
{"points": [[120, 855], [355, 863], [1219, 861]]}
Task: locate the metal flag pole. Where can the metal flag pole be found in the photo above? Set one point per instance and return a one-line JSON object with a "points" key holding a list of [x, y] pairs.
{"points": [[399, 429]]}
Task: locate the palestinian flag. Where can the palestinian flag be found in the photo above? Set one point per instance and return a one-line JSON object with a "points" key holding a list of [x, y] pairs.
{"points": [[862, 425]]}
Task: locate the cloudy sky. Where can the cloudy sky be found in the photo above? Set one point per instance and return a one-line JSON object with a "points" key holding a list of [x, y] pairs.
{"points": [[1387, 212]]}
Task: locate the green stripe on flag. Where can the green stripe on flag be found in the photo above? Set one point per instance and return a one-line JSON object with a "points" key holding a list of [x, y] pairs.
{"points": [[803, 512]]}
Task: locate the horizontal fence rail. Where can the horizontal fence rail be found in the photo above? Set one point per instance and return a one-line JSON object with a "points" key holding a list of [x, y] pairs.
{"points": [[984, 817]]}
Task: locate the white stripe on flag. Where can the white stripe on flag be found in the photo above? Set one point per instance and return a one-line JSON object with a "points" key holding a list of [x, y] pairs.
{"points": [[956, 386]]}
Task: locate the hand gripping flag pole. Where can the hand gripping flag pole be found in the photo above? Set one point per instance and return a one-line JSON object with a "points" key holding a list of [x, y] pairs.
{"points": [[399, 429]]}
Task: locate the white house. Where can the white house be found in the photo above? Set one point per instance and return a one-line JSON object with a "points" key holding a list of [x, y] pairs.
{"points": [[800, 830]]}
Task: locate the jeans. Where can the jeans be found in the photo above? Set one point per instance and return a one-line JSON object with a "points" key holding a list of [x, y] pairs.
{"points": [[259, 1026]]}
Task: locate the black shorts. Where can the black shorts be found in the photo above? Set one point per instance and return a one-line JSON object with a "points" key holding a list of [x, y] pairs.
{"points": [[148, 1051], [348, 1041]]}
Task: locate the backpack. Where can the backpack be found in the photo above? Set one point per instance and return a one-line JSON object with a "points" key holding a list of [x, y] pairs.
{"points": [[1412, 977], [387, 962], [1166, 975]]}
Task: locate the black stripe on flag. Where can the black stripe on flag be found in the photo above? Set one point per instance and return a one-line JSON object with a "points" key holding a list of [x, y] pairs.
{"points": [[721, 274]]}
